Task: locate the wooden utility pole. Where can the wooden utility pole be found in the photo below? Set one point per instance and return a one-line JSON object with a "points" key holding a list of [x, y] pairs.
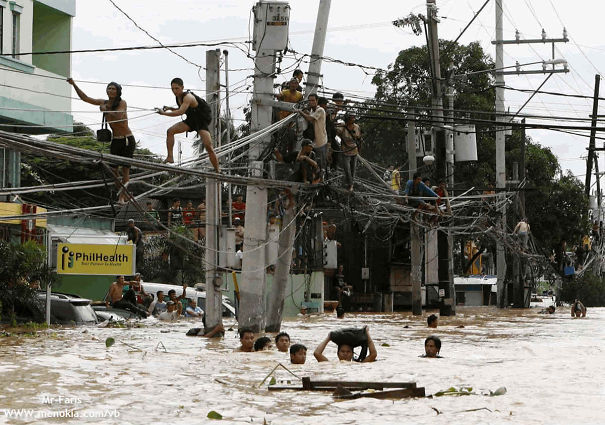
{"points": [[213, 308], [271, 21]]}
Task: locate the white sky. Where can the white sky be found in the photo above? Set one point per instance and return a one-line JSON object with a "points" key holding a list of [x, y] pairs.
{"points": [[359, 31]]}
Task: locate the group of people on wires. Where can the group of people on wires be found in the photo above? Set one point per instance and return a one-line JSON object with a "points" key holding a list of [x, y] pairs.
{"points": [[332, 139], [196, 110]]}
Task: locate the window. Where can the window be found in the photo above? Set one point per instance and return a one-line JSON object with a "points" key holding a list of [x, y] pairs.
{"points": [[16, 25]]}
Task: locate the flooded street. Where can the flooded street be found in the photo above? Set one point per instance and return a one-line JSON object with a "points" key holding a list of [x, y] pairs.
{"points": [[552, 366]]}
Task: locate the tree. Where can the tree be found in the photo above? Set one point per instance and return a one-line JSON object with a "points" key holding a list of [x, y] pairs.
{"points": [[22, 265], [406, 84], [43, 170], [556, 207]]}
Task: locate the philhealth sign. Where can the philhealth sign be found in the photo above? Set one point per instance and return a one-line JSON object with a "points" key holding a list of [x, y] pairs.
{"points": [[95, 259]]}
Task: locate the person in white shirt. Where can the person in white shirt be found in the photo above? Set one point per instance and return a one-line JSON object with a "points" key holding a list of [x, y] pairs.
{"points": [[158, 305], [193, 310], [171, 314], [317, 117]]}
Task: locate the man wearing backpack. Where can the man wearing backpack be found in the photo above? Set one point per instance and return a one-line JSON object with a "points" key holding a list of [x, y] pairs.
{"points": [[198, 117]]}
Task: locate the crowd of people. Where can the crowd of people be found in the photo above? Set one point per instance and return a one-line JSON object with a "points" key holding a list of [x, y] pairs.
{"points": [[346, 341], [331, 140]]}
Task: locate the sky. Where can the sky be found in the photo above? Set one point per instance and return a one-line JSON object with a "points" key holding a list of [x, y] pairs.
{"points": [[358, 31]]}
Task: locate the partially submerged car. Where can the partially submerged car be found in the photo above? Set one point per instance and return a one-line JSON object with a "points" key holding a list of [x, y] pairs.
{"points": [[68, 309]]}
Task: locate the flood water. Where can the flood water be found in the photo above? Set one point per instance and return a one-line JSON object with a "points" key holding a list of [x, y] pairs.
{"points": [[553, 368]]}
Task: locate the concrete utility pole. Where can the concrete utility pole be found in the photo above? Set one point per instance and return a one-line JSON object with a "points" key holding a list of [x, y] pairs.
{"points": [[444, 248], [228, 130], [500, 119], [270, 35], [500, 158], [593, 133], [317, 51], [213, 309], [415, 232], [275, 303]]}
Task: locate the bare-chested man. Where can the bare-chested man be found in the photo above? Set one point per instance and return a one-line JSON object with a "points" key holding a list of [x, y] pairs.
{"points": [[115, 297], [122, 143], [199, 116]]}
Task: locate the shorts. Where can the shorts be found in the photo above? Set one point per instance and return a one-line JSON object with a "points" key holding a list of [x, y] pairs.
{"points": [[123, 146], [196, 123]]}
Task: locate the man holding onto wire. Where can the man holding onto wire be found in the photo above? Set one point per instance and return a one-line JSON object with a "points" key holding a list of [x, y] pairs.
{"points": [[122, 142], [198, 117]]}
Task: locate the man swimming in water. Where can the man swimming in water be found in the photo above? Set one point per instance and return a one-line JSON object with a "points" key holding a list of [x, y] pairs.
{"points": [[432, 346], [578, 309], [345, 351], [199, 116]]}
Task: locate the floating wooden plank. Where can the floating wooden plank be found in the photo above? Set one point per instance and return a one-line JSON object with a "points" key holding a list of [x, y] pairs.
{"points": [[309, 385], [360, 385], [384, 395]]}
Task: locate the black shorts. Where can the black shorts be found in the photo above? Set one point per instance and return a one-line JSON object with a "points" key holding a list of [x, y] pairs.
{"points": [[197, 123], [123, 146]]}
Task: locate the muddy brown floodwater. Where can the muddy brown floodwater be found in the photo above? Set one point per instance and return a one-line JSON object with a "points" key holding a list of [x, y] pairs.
{"points": [[553, 368]]}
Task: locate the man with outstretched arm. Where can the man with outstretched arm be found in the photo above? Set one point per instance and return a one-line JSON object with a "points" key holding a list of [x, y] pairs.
{"points": [[122, 142], [198, 117]]}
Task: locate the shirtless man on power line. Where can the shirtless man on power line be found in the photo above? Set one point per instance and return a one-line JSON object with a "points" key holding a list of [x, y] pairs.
{"points": [[199, 116], [122, 142]]}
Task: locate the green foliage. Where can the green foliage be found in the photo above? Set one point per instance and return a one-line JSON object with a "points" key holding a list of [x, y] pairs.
{"points": [[50, 170], [214, 415], [21, 265], [173, 259], [407, 83], [109, 342], [455, 391], [558, 211], [590, 289]]}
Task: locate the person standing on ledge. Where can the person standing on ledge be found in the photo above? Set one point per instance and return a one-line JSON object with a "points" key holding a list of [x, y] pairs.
{"points": [[122, 142], [198, 118]]}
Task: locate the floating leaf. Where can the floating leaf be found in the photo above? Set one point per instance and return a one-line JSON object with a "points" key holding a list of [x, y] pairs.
{"points": [[272, 381], [214, 415], [455, 391], [384, 344], [109, 342]]}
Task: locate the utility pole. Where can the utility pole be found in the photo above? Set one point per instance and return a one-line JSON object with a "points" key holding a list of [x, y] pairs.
{"points": [[444, 247], [275, 303], [593, 133], [415, 250], [500, 119], [213, 308], [271, 21], [500, 157], [228, 130], [317, 51]]}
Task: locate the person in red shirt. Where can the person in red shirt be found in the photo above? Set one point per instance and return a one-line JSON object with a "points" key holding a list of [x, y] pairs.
{"points": [[239, 208], [188, 214]]}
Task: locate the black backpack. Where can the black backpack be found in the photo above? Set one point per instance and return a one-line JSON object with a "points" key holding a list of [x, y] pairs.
{"points": [[202, 106]]}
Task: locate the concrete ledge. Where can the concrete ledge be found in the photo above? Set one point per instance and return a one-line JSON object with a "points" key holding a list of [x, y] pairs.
{"points": [[16, 64]]}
